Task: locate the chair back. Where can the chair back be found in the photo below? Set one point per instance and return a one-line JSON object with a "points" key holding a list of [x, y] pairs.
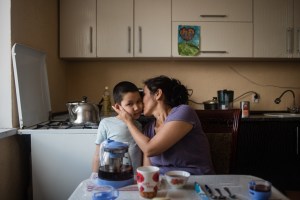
{"points": [[221, 128]]}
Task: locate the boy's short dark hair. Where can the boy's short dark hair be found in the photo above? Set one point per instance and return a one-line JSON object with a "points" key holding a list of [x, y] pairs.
{"points": [[121, 88]]}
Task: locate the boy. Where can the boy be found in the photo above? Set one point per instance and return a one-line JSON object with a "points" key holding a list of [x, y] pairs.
{"points": [[125, 94]]}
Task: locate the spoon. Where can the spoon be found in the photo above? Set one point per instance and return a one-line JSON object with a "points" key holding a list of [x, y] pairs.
{"points": [[220, 193], [232, 196], [211, 194]]}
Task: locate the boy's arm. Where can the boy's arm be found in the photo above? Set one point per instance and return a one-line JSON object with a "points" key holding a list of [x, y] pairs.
{"points": [[96, 162], [146, 160]]}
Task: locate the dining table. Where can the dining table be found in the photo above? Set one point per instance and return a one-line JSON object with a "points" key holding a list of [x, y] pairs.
{"points": [[237, 184]]}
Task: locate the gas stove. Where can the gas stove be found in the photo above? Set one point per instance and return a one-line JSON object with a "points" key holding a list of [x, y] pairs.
{"points": [[64, 125], [33, 97]]}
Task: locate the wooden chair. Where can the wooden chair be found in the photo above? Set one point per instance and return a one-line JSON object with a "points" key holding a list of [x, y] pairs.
{"points": [[221, 128]]}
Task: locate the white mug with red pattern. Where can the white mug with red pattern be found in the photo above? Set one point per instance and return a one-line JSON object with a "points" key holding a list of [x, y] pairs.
{"points": [[147, 178]]}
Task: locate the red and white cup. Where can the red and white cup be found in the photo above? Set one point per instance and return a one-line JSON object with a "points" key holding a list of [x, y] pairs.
{"points": [[148, 181]]}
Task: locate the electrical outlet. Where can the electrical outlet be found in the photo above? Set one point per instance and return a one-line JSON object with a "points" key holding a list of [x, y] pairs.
{"points": [[255, 98]]}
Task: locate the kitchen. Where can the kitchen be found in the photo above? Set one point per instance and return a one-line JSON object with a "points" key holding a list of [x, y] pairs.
{"points": [[36, 24]]}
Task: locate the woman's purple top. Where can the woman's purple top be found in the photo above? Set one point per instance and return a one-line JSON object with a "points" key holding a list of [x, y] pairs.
{"points": [[191, 153]]}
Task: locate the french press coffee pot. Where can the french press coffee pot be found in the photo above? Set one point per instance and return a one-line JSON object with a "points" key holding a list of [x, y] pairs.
{"points": [[115, 164]]}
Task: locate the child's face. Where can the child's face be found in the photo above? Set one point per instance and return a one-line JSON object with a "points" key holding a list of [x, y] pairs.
{"points": [[133, 104]]}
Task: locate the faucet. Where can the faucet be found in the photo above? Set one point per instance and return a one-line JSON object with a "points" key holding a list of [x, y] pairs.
{"points": [[293, 108]]}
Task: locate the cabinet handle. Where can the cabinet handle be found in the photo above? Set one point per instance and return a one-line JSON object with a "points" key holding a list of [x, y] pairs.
{"points": [[213, 52], [222, 16], [289, 40], [298, 40], [129, 39], [91, 39], [297, 141], [140, 39]]}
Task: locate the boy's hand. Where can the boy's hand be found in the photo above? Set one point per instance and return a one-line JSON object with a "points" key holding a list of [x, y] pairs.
{"points": [[94, 175]]}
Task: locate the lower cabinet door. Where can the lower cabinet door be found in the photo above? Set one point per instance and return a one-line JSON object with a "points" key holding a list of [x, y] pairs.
{"points": [[270, 150], [59, 163]]}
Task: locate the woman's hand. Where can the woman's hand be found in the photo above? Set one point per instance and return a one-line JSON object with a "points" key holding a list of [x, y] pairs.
{"points": [[122, 113]]}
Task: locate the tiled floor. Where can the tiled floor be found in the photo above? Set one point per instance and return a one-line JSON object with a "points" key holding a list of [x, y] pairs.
{"points": [[293, 195]]}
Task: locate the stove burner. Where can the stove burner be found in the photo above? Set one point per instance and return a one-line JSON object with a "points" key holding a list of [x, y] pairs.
{"points": [[65, 125]]}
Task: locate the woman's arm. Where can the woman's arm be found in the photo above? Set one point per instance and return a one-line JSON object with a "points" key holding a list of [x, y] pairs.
{"points": [[168, 135]]}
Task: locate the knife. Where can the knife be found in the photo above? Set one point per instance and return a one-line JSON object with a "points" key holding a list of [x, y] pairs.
{"points": [[200, 192]]}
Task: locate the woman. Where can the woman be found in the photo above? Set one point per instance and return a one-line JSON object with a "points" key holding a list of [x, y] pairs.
{"points": [[175, 139]]}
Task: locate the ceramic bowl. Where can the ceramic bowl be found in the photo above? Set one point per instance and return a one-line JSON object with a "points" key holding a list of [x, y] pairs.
{"points": [[177, 179]]}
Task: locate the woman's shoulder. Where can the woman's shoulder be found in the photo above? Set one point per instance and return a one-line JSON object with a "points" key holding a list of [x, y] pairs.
{"points": [[183, 108], [183, 113]]}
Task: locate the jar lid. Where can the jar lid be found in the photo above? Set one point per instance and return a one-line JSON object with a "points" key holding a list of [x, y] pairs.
{"points": [[115, 146]]}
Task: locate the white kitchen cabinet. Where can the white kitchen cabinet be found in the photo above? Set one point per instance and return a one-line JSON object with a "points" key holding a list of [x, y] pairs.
{"points": [[219, 39], [60, 162], [152, 28], [115, 28], [226, 28], [140, 28], [212, 10], [77, 28], [276, 28], [296, 29]]}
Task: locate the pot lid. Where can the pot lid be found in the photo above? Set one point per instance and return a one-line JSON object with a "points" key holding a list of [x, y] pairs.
{"points": [[212, 101], [31, 82]]}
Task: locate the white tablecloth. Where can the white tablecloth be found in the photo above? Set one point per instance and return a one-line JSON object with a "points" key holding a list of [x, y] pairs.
{"points": [[238, 185]]}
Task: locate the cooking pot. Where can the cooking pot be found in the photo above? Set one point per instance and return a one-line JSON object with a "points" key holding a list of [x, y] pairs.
{"points": [[211, 104], [82, 112]]}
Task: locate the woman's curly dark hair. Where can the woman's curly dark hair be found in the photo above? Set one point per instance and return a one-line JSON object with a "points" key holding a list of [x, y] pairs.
{"points": [[175, 93]]}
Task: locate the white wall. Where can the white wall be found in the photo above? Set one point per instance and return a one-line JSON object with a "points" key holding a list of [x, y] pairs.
{"points": [[5, 65]]}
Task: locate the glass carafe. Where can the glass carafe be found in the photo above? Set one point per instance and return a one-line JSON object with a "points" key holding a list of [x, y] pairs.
{"points": [[115, 162]]}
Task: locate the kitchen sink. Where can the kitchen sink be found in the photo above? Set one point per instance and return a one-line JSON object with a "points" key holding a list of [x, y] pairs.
{"points": [[282, 114]]}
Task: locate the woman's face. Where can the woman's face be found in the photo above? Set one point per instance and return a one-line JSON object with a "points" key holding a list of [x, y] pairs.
{"points": [[149, 102], [133, 104]]}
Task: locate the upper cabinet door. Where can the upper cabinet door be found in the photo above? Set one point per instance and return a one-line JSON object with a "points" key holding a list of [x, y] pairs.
{"points": [[273, 28], [212, 10], [218, 39], [77, 28], [115, 28], [152, 28], [212, 28], [297, 28]]}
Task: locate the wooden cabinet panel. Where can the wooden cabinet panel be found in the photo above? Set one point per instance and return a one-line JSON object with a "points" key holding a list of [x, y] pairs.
{"points": [[270, 149], [212, 10], [152, 28], [296, 29], [115, 28], [77, 28], [276, 28], [218, 39], [127, 28]]}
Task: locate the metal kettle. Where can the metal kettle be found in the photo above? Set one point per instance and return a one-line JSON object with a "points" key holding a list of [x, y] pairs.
{"points": [[82, 112]]}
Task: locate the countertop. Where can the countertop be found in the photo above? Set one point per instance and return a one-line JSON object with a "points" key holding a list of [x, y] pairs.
{"points": [[260, 116], [7, 132]]}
